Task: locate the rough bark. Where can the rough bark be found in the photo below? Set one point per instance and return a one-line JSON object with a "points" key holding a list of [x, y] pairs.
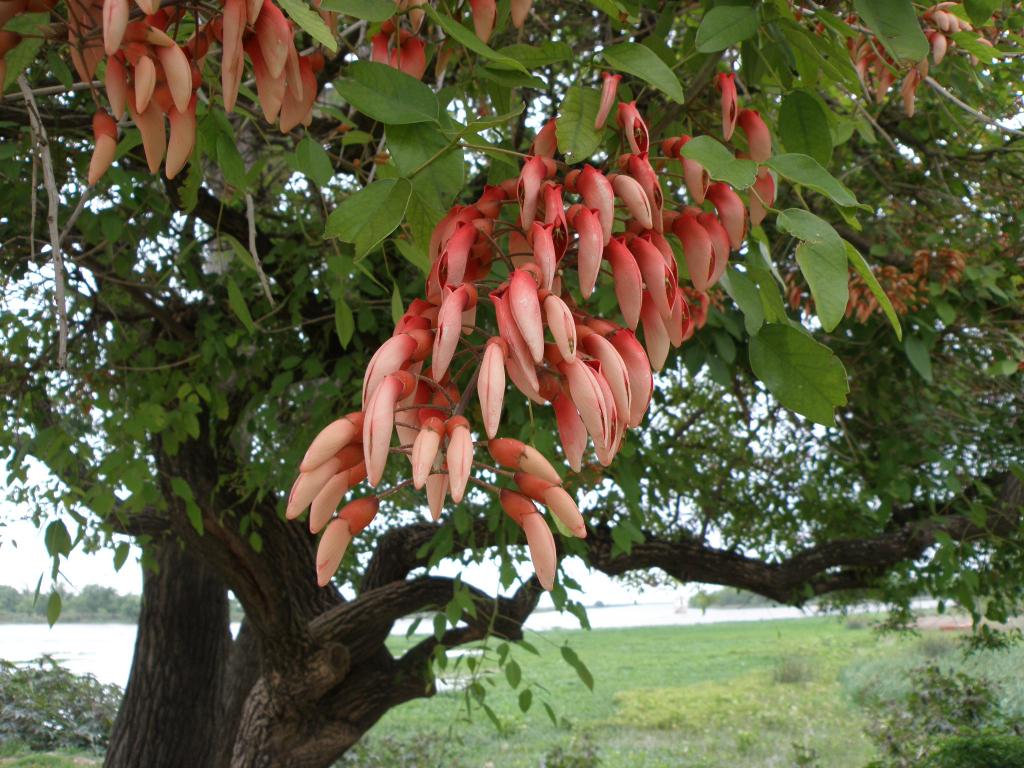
{"points": [[169, 716]]}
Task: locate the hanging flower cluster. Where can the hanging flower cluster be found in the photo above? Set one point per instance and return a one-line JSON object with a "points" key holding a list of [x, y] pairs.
{"points": [[400, 43], [877, 70], [156, 79], [558, 235]]}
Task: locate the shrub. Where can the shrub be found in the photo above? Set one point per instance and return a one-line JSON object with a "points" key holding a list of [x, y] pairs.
{"points": [[44, 706], [941, 704], [581, 752], [792, 669], [934, 645], [987, 750]]}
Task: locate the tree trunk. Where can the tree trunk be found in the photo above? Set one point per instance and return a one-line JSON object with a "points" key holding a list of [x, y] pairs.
{"points": [[172, 707]]}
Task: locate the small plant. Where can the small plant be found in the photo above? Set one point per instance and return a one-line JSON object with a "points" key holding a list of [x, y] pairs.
{"points": [[805, 757], [791, 670], [45, 707], [581, 752], [934, 645]]}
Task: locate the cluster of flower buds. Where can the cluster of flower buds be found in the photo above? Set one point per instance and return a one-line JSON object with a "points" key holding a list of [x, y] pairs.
{"points": [[153, 77], [538, 257], [400, 43], [878, 71], [908, 290]]}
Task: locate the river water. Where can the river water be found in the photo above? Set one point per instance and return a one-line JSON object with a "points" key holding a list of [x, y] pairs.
{"points": [[105, 650]]}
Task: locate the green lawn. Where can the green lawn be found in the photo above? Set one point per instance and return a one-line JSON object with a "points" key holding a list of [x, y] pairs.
{"points": [[751, 694]]}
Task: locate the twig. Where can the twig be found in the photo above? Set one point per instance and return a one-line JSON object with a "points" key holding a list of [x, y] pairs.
{"points": [[50, 182], [250, 213], [32, 206], [75, 213], [51, 90], [969, 109]]}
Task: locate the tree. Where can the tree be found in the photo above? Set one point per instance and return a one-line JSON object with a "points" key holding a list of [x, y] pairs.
{"points": [[212, 330]]}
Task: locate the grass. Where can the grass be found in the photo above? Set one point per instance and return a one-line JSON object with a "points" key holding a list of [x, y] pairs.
{"points": [[756, 694]]}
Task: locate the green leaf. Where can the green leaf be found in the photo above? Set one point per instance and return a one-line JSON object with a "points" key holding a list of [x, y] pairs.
{"points": [[513, 674], [969, 42], [230, 161], [57, 539], [896, 24], [804, 127], [467, 39], [536, 56], [804, 225], [433, 161], [121, 555], [237, 303], [745, 293], [868, 276], [313, 161], [53, 606], [184, 492], [525, 700], [413, 255], [581, 669], [310, 21], [387, 95], [724, 26], [19, 58], [370, 10], [371, 214], [28, 23], [344, 322], [806, 171], [719, 162], [397, 307], [917, 354], [981, 11], [577, 137], [802, 374], [824, 267], [640, 61]]}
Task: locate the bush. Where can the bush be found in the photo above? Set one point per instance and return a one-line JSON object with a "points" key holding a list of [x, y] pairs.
{"points": [[44, 706], [989, 750], [940, 705], [792, 669], [581, 752]]}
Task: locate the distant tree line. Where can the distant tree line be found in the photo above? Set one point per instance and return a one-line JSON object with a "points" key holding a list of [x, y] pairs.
{"points": [[93, 603], [729, 598]]}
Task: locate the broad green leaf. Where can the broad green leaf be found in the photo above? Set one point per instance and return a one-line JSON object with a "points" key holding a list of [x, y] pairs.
{"points": [[57, 539], [491, 121], [719, 162], [468, 39], [387, 95], [640, 61], [541, 55], [313, 161], [744, 292], [980, 11], [344, 322], [27, 23], [237, 303], [868, 276], [577, 137], [184, 492], [230, 161], [724, 26], [371, 214], [804, 128], [121, 555], [824, 267], [804, 225], [430, 159], [53, 606], [581, 669], [18, 60], [509, 78], [413, 255], [917, 354], [896, 24], [371, 10], [513, 674], [310, 21], [806, 171], [525, 700], [969, 42], [802, 374]]}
